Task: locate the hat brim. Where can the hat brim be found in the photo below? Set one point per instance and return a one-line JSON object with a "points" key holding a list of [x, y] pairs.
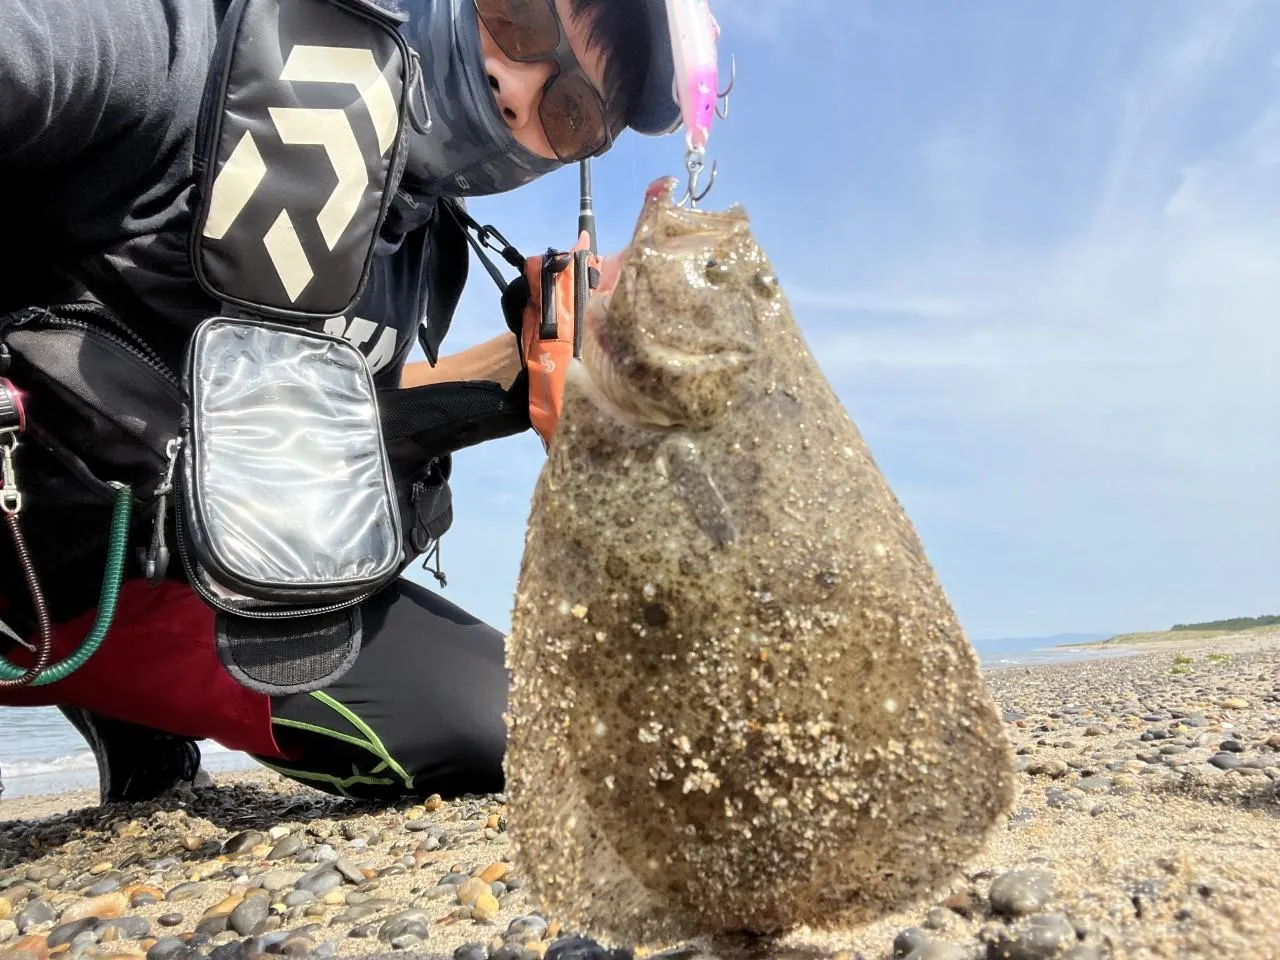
{"points": [[657, 112]]}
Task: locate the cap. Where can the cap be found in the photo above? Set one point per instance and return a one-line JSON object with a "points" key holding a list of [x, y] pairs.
{"points": [[657, 111]]}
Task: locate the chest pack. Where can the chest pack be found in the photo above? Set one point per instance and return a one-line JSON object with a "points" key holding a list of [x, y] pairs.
{"points": [[286, 514]]}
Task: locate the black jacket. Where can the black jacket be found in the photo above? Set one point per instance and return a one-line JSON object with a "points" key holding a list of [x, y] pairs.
{"points": [[98, 110]]}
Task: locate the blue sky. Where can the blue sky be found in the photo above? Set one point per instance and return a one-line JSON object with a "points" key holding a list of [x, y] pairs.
{"points": [[1036, 248]]}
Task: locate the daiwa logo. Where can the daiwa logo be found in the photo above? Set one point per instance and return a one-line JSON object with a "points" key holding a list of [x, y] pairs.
{"points": [[244, 170], [359, 332]]}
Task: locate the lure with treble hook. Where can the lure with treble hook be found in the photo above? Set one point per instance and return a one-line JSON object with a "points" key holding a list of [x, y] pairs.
{"points": [[694, 33]]}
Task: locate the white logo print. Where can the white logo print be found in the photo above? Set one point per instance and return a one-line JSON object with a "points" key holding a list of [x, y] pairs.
{"points": [[329, 128]]}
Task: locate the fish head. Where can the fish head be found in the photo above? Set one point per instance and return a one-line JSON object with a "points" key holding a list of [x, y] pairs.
{"points": [[674, 342]]}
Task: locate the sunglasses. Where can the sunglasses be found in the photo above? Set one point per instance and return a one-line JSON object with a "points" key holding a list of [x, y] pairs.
{"points": [[572, 111]]}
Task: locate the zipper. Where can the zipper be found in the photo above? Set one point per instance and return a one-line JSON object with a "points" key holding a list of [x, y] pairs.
{"points": [[228, 32], [184, 551], [126, 339]]}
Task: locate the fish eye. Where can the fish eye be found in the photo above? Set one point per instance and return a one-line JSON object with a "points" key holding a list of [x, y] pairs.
{"points": [[717, 272]]}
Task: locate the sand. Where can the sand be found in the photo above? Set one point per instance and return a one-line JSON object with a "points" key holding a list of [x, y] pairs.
{"points": [[1147, 825]]}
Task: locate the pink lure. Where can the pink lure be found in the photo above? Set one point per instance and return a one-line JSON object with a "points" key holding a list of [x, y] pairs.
{"points": [[694, 32]]}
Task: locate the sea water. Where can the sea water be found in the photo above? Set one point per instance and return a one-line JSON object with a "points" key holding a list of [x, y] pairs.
{"points": [[41, 753]]}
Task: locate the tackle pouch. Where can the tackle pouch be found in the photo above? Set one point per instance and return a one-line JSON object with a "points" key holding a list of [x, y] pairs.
{"points": [[300, 147], [288, 512]]}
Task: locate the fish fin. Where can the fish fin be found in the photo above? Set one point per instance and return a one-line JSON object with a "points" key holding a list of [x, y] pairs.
{"points": [[694, 484]]}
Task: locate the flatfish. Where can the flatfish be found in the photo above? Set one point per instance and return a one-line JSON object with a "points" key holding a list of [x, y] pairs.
{"points": [[741, 701]]}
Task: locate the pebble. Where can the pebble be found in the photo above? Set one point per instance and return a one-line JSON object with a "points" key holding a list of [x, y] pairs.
{"points": [[187, 891], [104, 907], [1021, 892], [1045, 936], [34, 913], [66, 932], [169, 919], [409, 922], [242, 842], [108, 884], [8, 930], [246, 916], [286, 847], [526, 929]]}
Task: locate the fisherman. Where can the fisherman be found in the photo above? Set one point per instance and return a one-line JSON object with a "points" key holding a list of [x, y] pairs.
{"points": [[98, 129]]}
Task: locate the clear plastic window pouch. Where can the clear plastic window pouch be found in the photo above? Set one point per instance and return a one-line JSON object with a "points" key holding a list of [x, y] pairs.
{"points": [[287, 507]]}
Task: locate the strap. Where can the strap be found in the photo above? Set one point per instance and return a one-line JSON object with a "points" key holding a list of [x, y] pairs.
{"points": [[486, 233]]}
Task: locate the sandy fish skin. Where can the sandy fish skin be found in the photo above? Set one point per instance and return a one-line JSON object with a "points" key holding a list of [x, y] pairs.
{"points": [[740, 701]]}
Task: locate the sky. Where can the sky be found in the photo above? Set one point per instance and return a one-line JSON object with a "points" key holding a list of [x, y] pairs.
{"points": [[1035, 249]]}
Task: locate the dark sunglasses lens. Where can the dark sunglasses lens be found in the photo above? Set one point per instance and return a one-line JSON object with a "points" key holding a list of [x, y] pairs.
{"points": [[572, 118], [524, 29]]}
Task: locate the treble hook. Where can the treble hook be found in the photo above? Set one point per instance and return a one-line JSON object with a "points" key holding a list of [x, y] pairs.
{"points": [[693, 163], [724, 97]]}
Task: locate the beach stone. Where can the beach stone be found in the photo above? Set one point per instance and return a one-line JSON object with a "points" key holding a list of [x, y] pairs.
{"points": [[296, 898], [1225, 761], [526, 929], [170, 919], [471, 890], [242, 842], [1045, 936], [584, 948], [1083, 951], [1021, 892], [486, 907], [1235, 703], [296, 946], [190, 890], [126, 928], [321, 880], [320, 853], [171, 948], [471, 951], [247, 915], [8, 930], [349, 870], [1231, 746], [1049, 768], [108, 884], [276, 880], [231, 950], [66, 932], [33, 914], [104, 907], [286, 847], [409, 922], [908, 941]]}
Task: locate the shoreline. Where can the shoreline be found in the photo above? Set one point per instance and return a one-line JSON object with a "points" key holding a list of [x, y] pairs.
{"points": [[1147, 826], [75, 772]]}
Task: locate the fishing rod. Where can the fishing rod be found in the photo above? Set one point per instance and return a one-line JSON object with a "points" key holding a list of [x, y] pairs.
{"points": [[586, 213]]}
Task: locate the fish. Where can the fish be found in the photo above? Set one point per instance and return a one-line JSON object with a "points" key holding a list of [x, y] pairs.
{"points": [[694, 33], [740, 702]]}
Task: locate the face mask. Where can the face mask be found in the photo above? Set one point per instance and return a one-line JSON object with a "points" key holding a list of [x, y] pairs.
{"points": [[459, 145]]}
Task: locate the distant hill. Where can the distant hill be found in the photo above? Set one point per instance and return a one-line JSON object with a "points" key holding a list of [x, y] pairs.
{"points": [[1239, 623]]}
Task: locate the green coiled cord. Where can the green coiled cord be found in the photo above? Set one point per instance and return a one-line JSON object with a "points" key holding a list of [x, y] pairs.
{"points": [[106, 604]]}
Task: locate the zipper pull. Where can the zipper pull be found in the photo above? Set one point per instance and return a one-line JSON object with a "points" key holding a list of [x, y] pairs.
{"points": [[156, 562], [433, 553]]}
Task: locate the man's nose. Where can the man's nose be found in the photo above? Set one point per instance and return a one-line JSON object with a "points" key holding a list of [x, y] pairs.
{"points": [[517, 87]]}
